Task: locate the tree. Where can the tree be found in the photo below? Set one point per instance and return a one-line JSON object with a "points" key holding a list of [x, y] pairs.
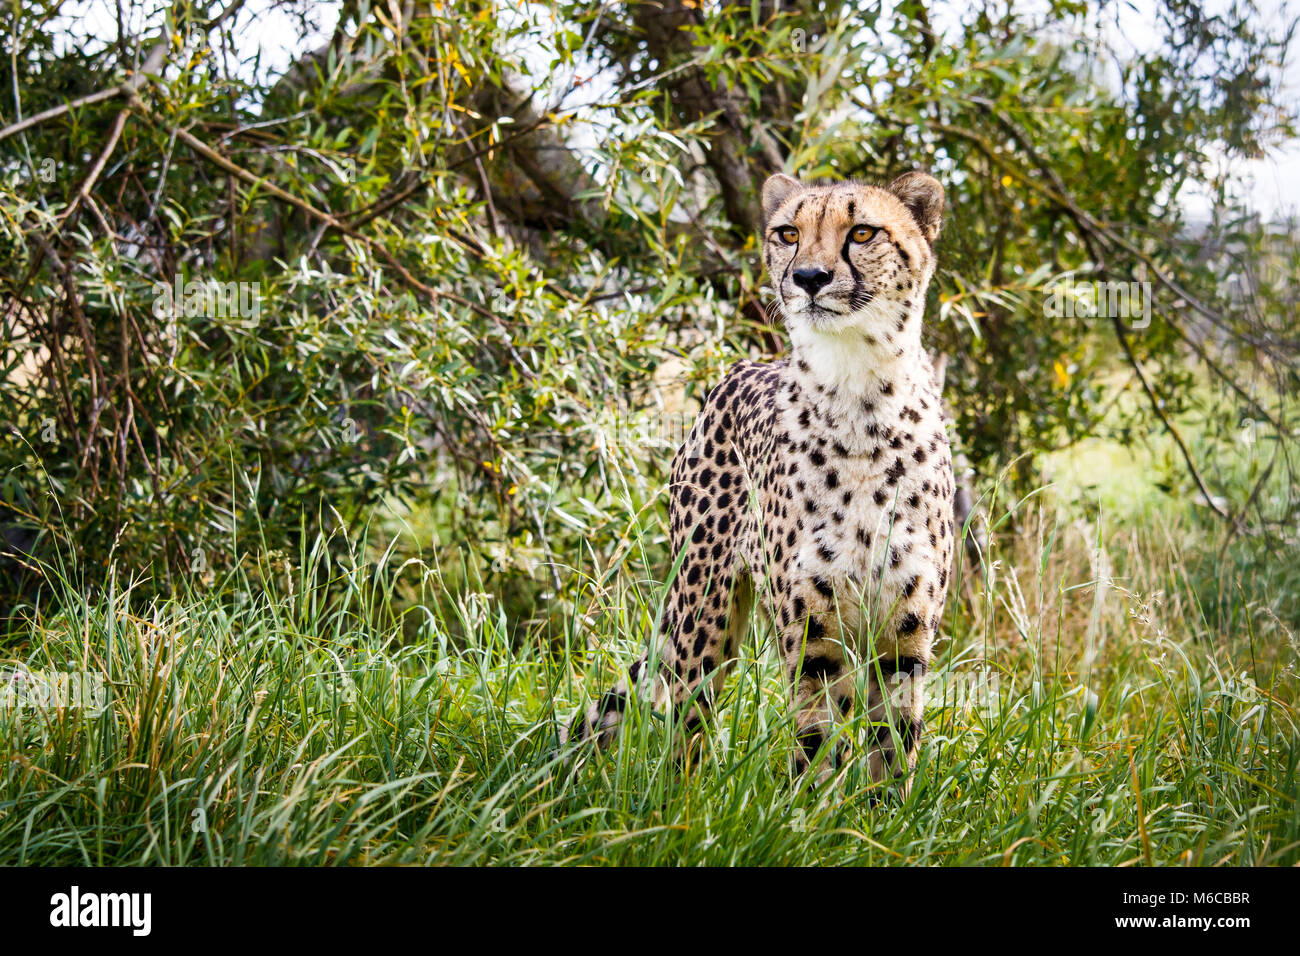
{"points": [[443, 255]]}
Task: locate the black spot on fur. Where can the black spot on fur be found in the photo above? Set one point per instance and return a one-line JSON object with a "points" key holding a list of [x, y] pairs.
{"points": [[810, 741], [911, 734], [614, 702], [821, 667], [908, 665]]}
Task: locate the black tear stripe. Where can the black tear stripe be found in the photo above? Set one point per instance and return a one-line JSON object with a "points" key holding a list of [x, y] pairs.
{"points": [[859, 297], [844, 254], [785, 273]]}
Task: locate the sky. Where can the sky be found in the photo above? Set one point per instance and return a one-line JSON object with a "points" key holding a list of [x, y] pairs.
{"points": [[1270, 183], [1276, 180]]}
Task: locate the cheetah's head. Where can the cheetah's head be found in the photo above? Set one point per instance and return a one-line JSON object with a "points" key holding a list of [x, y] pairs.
{"points": [[848, 256]]}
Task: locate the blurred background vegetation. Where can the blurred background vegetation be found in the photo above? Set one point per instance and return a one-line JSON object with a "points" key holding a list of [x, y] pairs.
{"points": [[491, 254]]}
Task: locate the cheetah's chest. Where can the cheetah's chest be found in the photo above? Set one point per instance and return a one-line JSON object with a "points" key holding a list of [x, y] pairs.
{"points": [[871, 523]]}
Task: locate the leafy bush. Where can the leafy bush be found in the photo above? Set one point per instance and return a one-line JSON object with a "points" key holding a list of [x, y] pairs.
{"points": [[471, 255]]}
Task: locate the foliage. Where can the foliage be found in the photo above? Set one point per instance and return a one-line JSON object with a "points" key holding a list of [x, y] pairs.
{"points": [[1073, 719], [476, 233]]}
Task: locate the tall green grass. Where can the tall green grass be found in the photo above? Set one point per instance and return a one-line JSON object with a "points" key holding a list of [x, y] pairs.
{"points": [[327, 712]]}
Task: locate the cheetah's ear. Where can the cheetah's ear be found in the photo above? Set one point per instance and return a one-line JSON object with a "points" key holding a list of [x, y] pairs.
{"points": [[923, 197], [776, 191]]}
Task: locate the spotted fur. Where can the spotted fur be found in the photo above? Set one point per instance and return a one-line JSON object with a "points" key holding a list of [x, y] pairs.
{"points": [[821, 484]]}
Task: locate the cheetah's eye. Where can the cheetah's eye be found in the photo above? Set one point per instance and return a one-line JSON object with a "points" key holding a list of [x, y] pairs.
{"points": [[863, 233], [789, 235]]}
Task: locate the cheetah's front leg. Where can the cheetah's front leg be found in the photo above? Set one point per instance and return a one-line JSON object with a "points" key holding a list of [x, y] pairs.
{"points": [[896, 691], [821, 687], [822, 690], [704, 618]]}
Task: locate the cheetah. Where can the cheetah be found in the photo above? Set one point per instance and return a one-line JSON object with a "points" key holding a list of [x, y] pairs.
{"points": [[820, 485]]}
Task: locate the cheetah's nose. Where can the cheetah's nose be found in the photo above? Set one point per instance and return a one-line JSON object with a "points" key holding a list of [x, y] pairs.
{"points": [[811, 280]]}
